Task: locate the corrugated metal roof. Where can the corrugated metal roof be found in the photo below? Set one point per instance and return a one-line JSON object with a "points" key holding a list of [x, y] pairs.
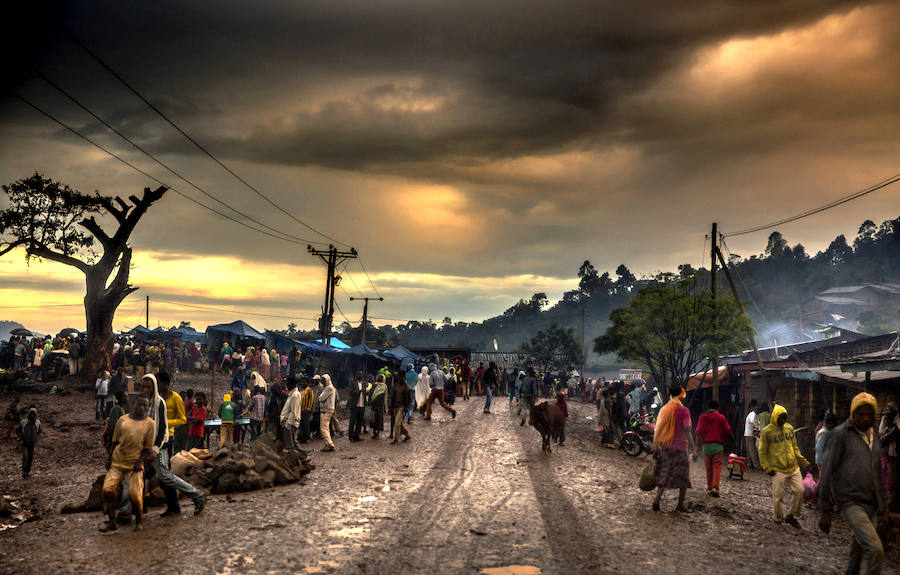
{"points": [[893, 288], [840, 300]]}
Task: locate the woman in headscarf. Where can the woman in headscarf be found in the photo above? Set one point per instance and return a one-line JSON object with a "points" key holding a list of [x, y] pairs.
{"points": [[450, 385], [423, 388], [377, 396], [257, 379], [672, 440], [265, 362]]}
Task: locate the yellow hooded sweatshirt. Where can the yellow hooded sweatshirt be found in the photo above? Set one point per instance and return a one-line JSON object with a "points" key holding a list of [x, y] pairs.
{"points": [[778, 449]]}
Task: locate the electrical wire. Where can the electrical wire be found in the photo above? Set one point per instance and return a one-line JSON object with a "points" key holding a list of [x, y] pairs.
{"points": [[874, 187], [236, 311], [371, 283], [140, 171], [134, 91], [74, 100]]}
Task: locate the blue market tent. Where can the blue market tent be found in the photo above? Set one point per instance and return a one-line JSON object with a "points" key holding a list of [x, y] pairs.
{"points": [[363, 349], [234, 330], [187, 334], [281, 343], [138, 330], [402, 354], [335, 343]]}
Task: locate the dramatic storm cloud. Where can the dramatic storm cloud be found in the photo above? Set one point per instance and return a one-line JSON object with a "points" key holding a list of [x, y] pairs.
{"points": [[467, 149]]}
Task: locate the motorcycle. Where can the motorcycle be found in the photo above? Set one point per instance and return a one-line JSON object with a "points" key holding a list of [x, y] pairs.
{"points": [[639, 437]]}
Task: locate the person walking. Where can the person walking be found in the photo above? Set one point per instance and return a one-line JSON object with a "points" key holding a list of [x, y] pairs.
{"points": [[132, 442], [170, 483], [423, 388], [889, 435], [257, 412], [326, 408], [356, 403], [399, 402], [197, 423], [490, 384], [290, 415], [377, 397], [829, 423], [28, 431], [411, 378], [672, 441], [117, 411], [306, 406], [101, 389], [437, 392], [851, 483], [751, 433], [780, 457], [226, 414], [465, 378], [713, 431], [527, 392]]}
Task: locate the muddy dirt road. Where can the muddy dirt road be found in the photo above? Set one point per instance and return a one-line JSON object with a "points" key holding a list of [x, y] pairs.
{"points": [[464, 496]]}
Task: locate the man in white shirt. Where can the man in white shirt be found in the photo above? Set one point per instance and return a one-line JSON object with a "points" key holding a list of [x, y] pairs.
{"points": [[290, 415], [751, 432]]}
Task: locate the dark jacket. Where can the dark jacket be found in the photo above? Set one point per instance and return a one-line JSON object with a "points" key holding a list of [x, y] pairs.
{"points": [[356, 389], [401, 396], [851, 472], [28, 432]]}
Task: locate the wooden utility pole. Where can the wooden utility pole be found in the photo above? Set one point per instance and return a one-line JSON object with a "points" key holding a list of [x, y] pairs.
{"points": [[737, 298], [332, 258], [365, 317], [583, 349], [714, 240], [147, 325]]}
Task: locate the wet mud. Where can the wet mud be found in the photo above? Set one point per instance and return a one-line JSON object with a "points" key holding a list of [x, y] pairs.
{"points": [[470, 495]]}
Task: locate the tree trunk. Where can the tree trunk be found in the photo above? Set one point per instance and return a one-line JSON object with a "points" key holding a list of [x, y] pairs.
{"points": [[99, 309]]}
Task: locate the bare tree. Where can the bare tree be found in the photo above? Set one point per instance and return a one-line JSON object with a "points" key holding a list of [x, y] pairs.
{"points": [[46, 218]]}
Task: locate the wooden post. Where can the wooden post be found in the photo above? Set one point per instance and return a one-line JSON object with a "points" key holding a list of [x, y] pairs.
{"points": [[712, 277]]}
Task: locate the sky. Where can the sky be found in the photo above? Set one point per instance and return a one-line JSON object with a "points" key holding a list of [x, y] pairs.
{"points": [[474, 153]]}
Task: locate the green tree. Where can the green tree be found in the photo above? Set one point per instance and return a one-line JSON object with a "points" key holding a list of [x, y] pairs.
{"points": [[49, 220], [882, 319], [671, 331], [554, 347]]}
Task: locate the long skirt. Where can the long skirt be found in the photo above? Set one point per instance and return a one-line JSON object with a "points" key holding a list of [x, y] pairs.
{"points": [[673, 470]]}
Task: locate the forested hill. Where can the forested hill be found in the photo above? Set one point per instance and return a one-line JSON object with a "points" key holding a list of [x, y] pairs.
{"points": [[774, 283]]}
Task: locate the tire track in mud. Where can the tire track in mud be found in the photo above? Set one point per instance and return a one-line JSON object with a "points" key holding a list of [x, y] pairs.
{"points": [[449, 524], [574, 544]]}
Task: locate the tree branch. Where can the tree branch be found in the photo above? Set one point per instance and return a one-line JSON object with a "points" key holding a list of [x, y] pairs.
{"points": [[47, 253], [91, 225], [11, 247]]}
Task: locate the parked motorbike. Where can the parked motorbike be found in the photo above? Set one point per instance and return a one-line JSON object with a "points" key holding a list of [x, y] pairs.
{"points": [[639, 437]]}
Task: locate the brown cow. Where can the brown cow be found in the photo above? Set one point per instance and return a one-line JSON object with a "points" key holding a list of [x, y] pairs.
{"points": [[549, 421]]}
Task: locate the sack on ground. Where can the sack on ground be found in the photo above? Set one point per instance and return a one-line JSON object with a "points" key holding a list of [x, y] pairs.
{"points": [[648, 477]]}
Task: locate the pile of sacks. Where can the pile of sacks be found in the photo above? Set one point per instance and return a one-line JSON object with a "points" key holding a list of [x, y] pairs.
{"points": [[262, 464]]}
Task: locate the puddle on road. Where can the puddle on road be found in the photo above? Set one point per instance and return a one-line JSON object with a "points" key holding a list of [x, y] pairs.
{"points": [[322, 567], [512, 570], [367, 499], [347, 531]]}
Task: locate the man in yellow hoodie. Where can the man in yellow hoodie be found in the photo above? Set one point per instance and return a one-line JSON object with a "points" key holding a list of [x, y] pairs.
{"points": [[780, 457]]}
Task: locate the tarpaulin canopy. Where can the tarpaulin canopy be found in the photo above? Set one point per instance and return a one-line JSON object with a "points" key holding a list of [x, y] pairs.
{"points": [[238, 328], [401, 353], [316, 346], [187, 334], [363, 349], [138, 330], [281, 343], [335, 343]]}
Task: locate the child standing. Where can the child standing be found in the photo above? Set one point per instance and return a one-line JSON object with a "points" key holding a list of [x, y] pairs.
{"points": [[27, 431]]}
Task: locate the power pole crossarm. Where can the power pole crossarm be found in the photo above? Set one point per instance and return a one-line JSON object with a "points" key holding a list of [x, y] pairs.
{"points": [[365, 316], [332, 258]]}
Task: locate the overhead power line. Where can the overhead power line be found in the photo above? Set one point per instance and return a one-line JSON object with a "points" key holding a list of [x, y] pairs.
{"points": [[199, 146], [242, 312], [140, 171], [371, 283], [74, 100], [828, 206]]}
